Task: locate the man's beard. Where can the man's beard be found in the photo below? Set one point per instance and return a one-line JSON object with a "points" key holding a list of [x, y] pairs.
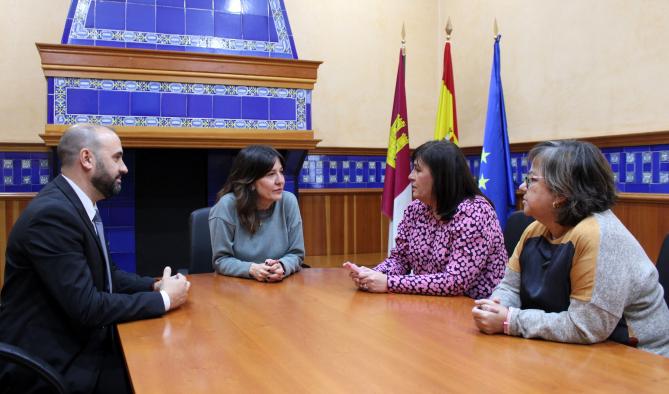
{"points": [[104, 182]]}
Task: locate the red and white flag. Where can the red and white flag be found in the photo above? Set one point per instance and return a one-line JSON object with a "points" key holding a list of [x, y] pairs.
{"points": [[396, 188]]}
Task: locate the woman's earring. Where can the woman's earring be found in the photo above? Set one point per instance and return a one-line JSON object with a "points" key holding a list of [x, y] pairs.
{"points": [[555, 205]]}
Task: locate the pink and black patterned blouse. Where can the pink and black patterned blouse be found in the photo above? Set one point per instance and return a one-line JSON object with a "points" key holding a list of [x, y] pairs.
{"points": [[462, 256]]}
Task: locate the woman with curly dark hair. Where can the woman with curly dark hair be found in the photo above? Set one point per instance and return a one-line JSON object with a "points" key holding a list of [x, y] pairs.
{"points": [[577, 274]]}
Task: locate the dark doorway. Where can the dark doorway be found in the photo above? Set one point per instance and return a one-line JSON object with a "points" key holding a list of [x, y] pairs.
{"points": [[169, 185]]}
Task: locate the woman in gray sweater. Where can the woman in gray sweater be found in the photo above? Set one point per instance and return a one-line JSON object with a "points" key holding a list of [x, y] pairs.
{"points": [[577, 274], [255, 226]]}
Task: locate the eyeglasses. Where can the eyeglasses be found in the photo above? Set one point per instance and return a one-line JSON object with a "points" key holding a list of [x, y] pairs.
{"points": [[529, 180]]}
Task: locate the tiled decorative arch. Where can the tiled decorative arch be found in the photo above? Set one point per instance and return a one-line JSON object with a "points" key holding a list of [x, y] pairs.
{"points": [[233, 27]]}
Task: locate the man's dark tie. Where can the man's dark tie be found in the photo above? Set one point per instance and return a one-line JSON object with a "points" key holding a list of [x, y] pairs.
{"points": [[97, 221]]}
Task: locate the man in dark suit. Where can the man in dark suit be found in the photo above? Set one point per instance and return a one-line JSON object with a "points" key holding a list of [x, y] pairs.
{"points": [[62, 295]]}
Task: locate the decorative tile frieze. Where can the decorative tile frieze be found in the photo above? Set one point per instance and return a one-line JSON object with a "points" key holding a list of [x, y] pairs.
{"points": [[173, 104]]}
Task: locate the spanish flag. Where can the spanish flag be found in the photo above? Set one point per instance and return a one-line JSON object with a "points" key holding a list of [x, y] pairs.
{"points": [[447, 120], [396, 188]]}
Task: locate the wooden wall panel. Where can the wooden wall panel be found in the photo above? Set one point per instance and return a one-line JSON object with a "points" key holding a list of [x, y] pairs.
{"points": [[343, 221], [346, 222], [646, 216], [11, 206]]}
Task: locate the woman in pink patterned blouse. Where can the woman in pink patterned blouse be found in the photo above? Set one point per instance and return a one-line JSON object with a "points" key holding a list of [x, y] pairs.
{"points": [[449, 241]]}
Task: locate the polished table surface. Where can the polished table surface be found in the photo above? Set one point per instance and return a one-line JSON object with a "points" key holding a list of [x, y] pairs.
{"points": [[314, 332]]}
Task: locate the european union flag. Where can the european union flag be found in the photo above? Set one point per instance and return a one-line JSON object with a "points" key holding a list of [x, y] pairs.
{"points": [[495, 179]]}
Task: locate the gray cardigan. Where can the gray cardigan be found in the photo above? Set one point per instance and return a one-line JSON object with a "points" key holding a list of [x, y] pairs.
{"points": [[625, 285], [279, 237]]}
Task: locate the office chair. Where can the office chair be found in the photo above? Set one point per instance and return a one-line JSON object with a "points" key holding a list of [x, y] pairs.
{"points": [[200, 242], [662, 266], [515, 225], [13, 355]]}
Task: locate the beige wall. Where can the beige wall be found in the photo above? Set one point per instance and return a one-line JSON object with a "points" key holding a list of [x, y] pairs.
{"points": [[23, 97], [570, 68], [359, 41]]}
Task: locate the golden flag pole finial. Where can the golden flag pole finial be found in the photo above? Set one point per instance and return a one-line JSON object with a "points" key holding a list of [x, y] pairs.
{"points": [[449, 29], [495, 28], [404, 50]]}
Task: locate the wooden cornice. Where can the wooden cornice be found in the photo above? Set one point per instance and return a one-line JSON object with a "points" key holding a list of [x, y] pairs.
{"points": [[606, 141], [23, 147], [17, 196], [336, 151], [352, 190], [169, 137], [172, 66]]}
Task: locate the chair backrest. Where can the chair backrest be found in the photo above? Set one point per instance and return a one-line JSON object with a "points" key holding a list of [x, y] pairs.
{"points": [[34, 368], [200, 242], [515, 225], [662, 266]]}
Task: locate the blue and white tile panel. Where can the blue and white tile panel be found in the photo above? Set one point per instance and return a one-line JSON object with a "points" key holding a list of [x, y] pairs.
{"points": [[637, 169], [235, 27], [174, 104], [24, 171], [321, 171]]}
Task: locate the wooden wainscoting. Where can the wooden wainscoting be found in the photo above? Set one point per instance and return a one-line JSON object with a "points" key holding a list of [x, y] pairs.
{"points": [[647, 217], [11, 206], [343, 221], [349, 221]]}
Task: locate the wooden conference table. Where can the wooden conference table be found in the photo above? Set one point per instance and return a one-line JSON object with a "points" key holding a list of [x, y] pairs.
{"points": [[316, 333]]}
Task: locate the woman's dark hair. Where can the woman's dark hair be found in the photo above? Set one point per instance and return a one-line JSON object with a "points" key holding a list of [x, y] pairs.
{"points": [[452, 180], [577, 171], [251, 164]]}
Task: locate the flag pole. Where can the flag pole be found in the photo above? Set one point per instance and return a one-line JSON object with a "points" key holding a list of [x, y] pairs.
{"points": [[449, 29]]}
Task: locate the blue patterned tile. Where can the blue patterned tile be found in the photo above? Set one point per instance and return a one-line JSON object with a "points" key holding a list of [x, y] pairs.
{"points": [[114, 103], [140, 46], [90, 16], [112, 44], [255, 107], [76, 41], [255, 27], [202, 4], [199, 22], [229, 6], [255, 7], [125, 261], [109, 15], [199, 106], [49, 109], [150, 2], [280, 108], [171, 3], [173, 105], [121, 240], [177, 48], [144, 104], [227, 25], [70, 11], [82, 101], [170, 20], [141, 18]]}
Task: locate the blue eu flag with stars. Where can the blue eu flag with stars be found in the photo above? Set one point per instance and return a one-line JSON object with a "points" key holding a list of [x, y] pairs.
{"points": [[495, 179]]}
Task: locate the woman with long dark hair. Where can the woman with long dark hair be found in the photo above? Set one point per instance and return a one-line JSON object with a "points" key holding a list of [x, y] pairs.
{"points": [[449, 241], [255, 225]]}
